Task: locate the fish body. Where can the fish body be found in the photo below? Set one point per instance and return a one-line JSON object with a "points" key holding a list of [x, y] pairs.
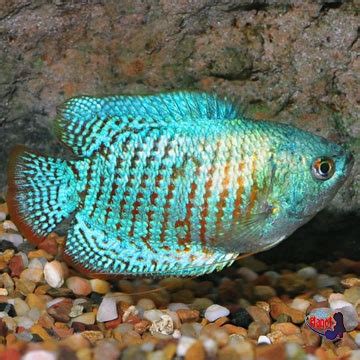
{"points": [[171, 184]]}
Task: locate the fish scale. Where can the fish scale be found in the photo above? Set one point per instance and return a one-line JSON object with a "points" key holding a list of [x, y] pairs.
{"points": [[170, 184]]}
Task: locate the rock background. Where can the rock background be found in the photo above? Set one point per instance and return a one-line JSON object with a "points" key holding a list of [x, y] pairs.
{"points": [[296, 62]]}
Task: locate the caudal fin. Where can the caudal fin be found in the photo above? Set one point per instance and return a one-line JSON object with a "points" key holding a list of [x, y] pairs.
{"points": [[41, 193]]}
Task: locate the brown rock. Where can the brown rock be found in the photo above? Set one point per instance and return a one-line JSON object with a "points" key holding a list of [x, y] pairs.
{"points": [[232, 329], [278, 307], [310, 337], [61, 310], [270, 352], [141, 326], [259, 314], [50, 244], [256, 329], [276, 337], [46, 321], [16, 265], [75, 342], [25, 287], [40, 253], [195, 352], [286, 328], [92, 336], [350, 282], [78, 285], [187, 315]]}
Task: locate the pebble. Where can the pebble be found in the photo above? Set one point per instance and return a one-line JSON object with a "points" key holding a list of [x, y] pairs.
{"points": [[177, 306], [164, 325], [286, 328], [107, 310], [300, 304], [60, 310], [353, 294], [258, 314], [278, 307], [264, 292], [201, 303], [324, 280], [35, 275], [24, 321], [350, 282], [15, 239], [215, 311], [153, 315], [184, 345], [187, 315], [78, 285], [100, 286], [39, 355], [307, 272], [256, 329], [87, 318], [2, 216], [9, 225], [146, 304], [247, 274], [54, 274], [263, 340], [241, 318]]}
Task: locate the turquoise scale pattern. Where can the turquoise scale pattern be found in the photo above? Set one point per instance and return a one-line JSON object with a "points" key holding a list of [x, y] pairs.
{"points": [[169, 184], [46, 191]]}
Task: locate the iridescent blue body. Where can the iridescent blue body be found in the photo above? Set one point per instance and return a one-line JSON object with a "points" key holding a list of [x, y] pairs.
{"points": [[170, 184]]}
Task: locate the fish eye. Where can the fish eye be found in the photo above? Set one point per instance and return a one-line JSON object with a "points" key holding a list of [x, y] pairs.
{"points": [[323, 168]]}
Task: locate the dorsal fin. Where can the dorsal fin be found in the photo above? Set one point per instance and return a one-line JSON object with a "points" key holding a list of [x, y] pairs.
{"points": [[84, 123]]}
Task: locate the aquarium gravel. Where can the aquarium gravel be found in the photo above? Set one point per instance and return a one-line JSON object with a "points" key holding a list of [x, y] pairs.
{"points": [[250, 310]]}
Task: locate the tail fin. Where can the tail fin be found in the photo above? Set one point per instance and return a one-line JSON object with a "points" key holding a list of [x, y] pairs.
{"points": [[41, 192]]}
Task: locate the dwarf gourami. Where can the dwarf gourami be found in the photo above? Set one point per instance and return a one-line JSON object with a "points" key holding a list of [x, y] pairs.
{"points": [[171, 184]]}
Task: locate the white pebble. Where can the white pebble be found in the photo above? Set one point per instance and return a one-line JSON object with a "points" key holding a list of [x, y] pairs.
{"points": [[39, 355], [215, 311], [35, 264], [9, 225], [107, 309], [54, 274], [184, 345], [54, 301], [152, 315], [350, 316], [163, 326], [263, 340], [24, 321], [2, 216], [300, 304], [3, 292], [176, 334], [319, 298], [76, 310], [338, 304], [247, 274], [16, 239], [307, 272], [210, 346]]}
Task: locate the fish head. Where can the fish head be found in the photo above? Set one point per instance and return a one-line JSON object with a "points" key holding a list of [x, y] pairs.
{"points": [[309, 172]]}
